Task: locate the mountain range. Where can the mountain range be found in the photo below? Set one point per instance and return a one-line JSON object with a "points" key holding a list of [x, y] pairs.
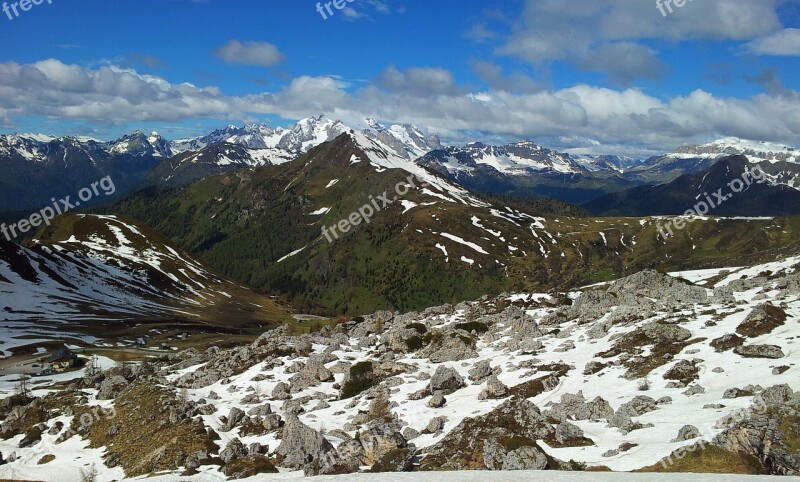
{"points": [[270, 228], [55, 167]]}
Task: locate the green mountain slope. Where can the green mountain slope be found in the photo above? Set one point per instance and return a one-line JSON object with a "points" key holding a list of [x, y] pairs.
{"points": [[434, 244]]}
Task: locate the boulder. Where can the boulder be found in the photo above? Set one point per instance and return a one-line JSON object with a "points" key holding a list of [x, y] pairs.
{"points": [[234, 418], [301, 444], [234, 450], [446, 380], [687, 432], [759, 351], [437, 400], [495, 389], [111, 388], [525, 458]]}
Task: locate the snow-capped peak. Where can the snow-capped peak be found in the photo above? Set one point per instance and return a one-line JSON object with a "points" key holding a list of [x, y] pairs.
{"points": [[756, 151]]}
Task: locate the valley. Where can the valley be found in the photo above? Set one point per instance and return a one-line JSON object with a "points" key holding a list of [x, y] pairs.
{"points": [[495, 241]]}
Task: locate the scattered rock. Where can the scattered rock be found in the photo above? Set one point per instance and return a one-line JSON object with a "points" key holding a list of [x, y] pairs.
{"points": [[759, 351], [687, 432], [446, 380], [249, 466], [301, 444], [495, 389], [761, 321], [437, 400], [234, 450]]}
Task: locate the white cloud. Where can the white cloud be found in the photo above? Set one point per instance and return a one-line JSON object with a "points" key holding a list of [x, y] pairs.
{"points": [[785, 42], [606, 120], [591, 29], [262, 54]]}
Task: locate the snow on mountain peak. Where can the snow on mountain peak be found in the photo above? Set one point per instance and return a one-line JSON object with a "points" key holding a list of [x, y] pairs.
{"points": [[756, 151]]}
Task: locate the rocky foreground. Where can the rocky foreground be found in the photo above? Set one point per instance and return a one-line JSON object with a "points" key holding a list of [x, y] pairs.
{"points": [[652, 372]]}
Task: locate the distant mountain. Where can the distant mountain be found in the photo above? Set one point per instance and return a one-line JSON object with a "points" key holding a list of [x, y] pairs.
{"points": [[213, 159], [140, 145], [296, 230], [695, 158], [254, 136], [261, 145], [405, 140], [38, 168], [84, 271], [529, 170], [769, 197]]}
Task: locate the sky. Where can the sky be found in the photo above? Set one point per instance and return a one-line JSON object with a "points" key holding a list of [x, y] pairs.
{"points": [[633, 77]]}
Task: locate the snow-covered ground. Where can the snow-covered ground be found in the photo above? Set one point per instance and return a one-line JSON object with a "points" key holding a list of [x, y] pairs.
{"points": [[497, 476], [572, 344]]}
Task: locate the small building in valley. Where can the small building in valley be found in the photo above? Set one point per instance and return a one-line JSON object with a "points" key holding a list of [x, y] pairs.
{"points": [[63, 359]]}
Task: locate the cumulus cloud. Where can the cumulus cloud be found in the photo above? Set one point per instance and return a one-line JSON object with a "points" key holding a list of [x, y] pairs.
{"points": [[263, 54], [624, 62], [592, 29], [784, 42], [603, 119], [420, 81], [493, 75]]}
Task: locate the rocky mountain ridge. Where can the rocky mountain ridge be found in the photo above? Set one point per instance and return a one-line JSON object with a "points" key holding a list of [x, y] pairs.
{"points": [[701, 360]]}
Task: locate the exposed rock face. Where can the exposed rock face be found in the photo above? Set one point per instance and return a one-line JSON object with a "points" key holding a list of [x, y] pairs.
{"points": [[446, 380], [687, 432], [762, 320], [379, 440], [234, 450], [759, 351], [301, 444], [525, 458], [575, 407], [449, 346], [485, 441], [770, 431], [235, 417], [494, 389], [112, 387]]}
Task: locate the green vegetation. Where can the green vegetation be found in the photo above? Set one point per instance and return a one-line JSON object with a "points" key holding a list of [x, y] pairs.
{"points": [[243, 222], [707, 459], [475, 326], [361, 378]]}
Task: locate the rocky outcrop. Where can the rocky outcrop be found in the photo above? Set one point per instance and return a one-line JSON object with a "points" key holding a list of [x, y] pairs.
{"points": [[759, 351], [769, 431], [449, 345], [112, 387], [301, 445], [575, 407], [761, 321], [446, 380], [487, 441], [494, 389], [687, 432]]}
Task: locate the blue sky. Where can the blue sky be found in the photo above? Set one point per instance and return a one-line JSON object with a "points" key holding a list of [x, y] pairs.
{"points": [[598, 75]]}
